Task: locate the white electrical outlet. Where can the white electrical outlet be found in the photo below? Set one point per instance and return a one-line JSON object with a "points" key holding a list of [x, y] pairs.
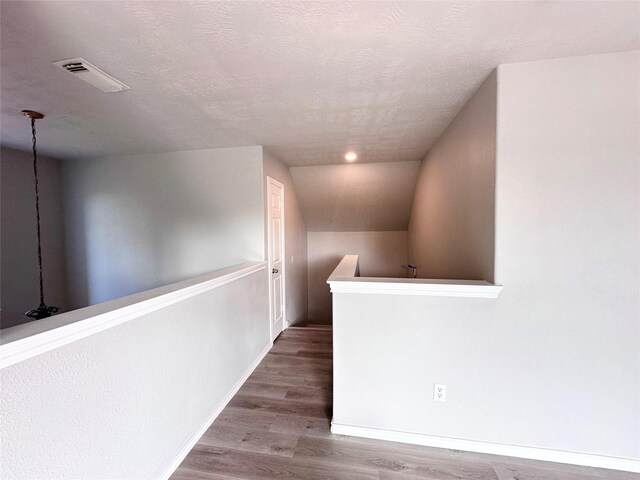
{"points": [[291, 258], [439, 392]]}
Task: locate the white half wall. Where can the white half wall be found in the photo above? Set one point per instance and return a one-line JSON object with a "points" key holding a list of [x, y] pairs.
{"points": [[382, 254], [19, 252], [136, 222], [554, 362], [130, 401], [452, 225], [295, 265]]}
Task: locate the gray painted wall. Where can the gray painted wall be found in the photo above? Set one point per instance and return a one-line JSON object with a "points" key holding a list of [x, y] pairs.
{"points": [[140, 221], [382, 254], [19, 254], [452, 226], [554, 361], [295, 240]]}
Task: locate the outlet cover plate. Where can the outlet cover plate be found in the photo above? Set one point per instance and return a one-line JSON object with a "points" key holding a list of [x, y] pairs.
{"points": [[439, 392]]}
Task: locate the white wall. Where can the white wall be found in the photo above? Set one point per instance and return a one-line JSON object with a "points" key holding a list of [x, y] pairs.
{"points": [[356, 197], [139, 221], [124, 402], [382, 254], [295, 240], [452, 225], [554, 361], [19, 268]]}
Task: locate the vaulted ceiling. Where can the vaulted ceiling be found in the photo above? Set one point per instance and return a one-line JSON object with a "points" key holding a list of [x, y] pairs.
{"points": [[361, 197], [308, 80]]}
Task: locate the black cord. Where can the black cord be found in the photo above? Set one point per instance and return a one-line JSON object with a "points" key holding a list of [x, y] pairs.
{"points": [[35, 179], [43, 311]]}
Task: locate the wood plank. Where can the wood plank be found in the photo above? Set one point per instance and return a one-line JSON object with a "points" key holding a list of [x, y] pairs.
{"points": [[324, 396], [301, 331], [291, 424], [327, 353], [183, 473], [391, 461], [302, 328], [307, 336], [304, 353], [322, 341], [510, 468], [312, 371], [291, 360], [243, 438], [318, 381], [287, 407], [323, 364], [536, 473], [286, 348], [258, 389], [240, 417], [257, 466], [300, 425]]}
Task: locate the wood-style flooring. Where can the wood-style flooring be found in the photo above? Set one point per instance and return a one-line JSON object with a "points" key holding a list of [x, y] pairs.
{"points": [[278, 427]]}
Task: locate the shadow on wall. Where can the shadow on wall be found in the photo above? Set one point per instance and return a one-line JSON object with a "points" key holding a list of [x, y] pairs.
{"points": [[320, 304], [382, 254]]}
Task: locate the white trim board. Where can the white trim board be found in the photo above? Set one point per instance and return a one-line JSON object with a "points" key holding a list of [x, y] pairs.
{"points": [[34, 338], [346, 279], [184, 451], [533, 453], [405, 286]]}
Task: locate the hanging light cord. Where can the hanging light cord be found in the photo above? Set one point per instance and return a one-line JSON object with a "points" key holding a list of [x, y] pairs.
{"points": [[43, 311], [35, 177]]}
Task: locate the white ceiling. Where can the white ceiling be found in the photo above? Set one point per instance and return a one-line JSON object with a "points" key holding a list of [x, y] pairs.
{"points": [[363, 197], [308, 80]]}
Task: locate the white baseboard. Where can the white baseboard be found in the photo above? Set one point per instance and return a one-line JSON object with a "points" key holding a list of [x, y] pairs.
{"points": [[214, 414], [559, 456]]}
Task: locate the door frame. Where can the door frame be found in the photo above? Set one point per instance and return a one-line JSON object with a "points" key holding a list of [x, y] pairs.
{"points": [[272, 181]]}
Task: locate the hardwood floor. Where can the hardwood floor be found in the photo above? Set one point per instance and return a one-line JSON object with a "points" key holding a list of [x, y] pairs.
{"points": [[278, 427]]}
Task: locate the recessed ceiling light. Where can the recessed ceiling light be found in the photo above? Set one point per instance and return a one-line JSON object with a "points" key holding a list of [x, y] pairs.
{"points": [[351, 156]]}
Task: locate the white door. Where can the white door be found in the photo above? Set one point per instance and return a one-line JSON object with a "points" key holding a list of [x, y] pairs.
{"points": [[275, 196]]}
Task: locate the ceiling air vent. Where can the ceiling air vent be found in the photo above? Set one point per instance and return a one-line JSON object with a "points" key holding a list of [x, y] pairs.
{"points": [[91, 74]]}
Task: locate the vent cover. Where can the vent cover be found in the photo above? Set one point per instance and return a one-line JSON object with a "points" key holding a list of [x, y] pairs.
{"points": [[91, 74]]}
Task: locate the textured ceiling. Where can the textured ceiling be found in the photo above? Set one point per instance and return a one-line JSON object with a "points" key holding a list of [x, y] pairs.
{"points": [[362, 197], [308, 80]]}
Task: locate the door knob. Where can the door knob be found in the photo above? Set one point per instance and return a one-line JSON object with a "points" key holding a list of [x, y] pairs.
{"points": [[275, 270]]}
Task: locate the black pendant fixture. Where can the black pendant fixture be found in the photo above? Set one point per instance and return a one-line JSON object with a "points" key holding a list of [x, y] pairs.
{"points": [[43, 311]]}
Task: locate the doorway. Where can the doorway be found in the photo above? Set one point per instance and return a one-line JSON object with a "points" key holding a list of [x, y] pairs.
{"points": [[275, 256]]}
